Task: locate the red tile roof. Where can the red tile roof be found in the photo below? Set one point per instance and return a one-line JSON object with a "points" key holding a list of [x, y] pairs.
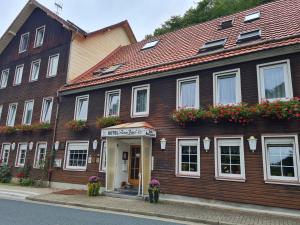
{"points": [[279, 23]]}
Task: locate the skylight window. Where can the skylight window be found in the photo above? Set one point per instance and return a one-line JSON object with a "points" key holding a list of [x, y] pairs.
{"points": [[252, 16], [108, 70], [226, 24], [249, 35], [211, 45], [150, 44]]}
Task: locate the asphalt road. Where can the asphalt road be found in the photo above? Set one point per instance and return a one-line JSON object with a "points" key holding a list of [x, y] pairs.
{"points": [[26, 213]]}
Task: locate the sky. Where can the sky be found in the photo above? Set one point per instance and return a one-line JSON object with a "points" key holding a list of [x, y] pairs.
{"points": [[143, 15]]}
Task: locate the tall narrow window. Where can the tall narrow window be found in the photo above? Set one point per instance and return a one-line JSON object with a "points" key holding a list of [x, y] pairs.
{"points": [[46, 110], [53, 65], [76, 155], [188, 92], [112, 103], [4, 78], [81, 108], [5, 154], [274, 81], [11, 115], [21, 155], [35, 70], [281, 158], [102, 166], [188, 157], [39, 36], [229, 158], [227, 87], [18, 74], [140, 101], [40, 155], [24, 41], [28, 112]]}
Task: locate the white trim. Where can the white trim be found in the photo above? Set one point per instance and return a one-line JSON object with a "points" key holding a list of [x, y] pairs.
{"points": [[106, 108], [1, 154], [42, 110], [25, 111], [281, 180], [27, 33], [1, 110], [229, 177], [36, 30], [78, 98], [133, 101], [287, 79], [49, 60], [2, 73], [16, 69], [9, 112], [238, 94], [178, 90], [247, 20], [66, 158], [17, 163], [103, 142], [188, 140], [30, 74]]}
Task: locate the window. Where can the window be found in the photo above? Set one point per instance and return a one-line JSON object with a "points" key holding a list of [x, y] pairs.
{"points": [[21, 155], [226, 24], [24, 41], [46, 110], [35, 70], [188, 92], [40, 155], [102, 165], [4, 78], [188, 157], [112, 103], [1, 109], [140, 101], [81, 108], [274, 81], [52, 65], [5, 154], [229, 158], [18, 74], [110, 69], [76, 156], [249, 36], [39, 36], [227, 87], [281, 158], [11, 115], [28, 111], [150, 44], [252, 16], [212, 45]]}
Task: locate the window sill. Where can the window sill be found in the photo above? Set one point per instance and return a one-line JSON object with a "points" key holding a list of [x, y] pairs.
{"points": [[242, 180], [75, 169], [51, 76], [19, 166], [292, 183], [139, 116], [188, 176], [15, 85], [32, 81]]}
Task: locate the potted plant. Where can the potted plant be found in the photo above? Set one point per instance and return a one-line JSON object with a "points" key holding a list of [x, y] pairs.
{"points": [[186, 116], [103, 122], [76, 125], [154, 190], [6, 130], [93, 186]]}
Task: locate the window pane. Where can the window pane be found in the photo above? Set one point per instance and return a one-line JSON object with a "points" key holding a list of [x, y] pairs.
{"points": [[28, 113], [18, 75], [227, 89], [188, 94], [4, 78], [39, 37], [77, 156], [35, 70], [53, 65], [141, 100], [274, 82], [47, 110], [235, 169], [11, 115], [189, 158], [82, 109], [24, 42], [230, 159], [288, 172], [113, 104]]}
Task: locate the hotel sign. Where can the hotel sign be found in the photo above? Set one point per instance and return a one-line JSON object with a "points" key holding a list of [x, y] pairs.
{"points": [[129, 132]]}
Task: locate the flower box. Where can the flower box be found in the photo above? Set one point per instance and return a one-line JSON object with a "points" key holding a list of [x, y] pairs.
{"points": [[103, 122], [76, 125]]}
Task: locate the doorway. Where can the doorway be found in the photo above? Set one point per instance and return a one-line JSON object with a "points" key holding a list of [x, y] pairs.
{"points": [[134, 165]]}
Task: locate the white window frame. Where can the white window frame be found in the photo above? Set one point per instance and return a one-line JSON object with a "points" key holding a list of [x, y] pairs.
{"points": [[25, 112], [78, 98], [178, 92], [237, 85], [103, 157], [252, 16], [134, 91], [275, 179], [2, 74], [106, 106], [48, 68], [43, 108], [27, 33], [1, 110], [17, 162], [218, 173], [9, 112], [187, 140], [31, 70], [67, 156], [15, 78], [287, 80], [36, 32], [37, 154], [2, 152]]}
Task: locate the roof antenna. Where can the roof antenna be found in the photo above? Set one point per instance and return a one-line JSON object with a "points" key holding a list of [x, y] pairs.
{"points": [[59, 5]]}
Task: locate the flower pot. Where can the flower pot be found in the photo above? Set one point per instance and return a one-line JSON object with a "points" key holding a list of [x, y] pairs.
{"points": [[151, 196]]}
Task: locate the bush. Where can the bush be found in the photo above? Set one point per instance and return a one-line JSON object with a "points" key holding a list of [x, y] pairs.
{"points": [[93, 186], [5, 174], [26, 182], [76, 125], [103, 122]]}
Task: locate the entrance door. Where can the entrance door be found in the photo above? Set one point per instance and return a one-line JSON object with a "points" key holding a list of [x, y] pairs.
{"points": [[134, 165]]}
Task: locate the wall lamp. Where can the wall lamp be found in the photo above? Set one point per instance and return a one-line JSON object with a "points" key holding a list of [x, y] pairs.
{"points": [[13, 146], [206, 143], [30, 145], [163, 143], [56, 145], [95, 145], [252, 143]]}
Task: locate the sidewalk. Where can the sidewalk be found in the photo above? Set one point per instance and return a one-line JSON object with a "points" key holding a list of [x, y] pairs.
{"points": [[171, 210]]}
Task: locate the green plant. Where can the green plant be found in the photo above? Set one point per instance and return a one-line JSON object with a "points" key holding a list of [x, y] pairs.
{"points": [[185, 116], [5, 174], [25, 128], [93, 186], [42, 126], [76, 125], [26, 182], [7, 130], [103, 122]]}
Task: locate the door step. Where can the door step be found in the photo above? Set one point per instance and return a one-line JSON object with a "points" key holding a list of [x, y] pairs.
{"points": [[116, 194]]}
